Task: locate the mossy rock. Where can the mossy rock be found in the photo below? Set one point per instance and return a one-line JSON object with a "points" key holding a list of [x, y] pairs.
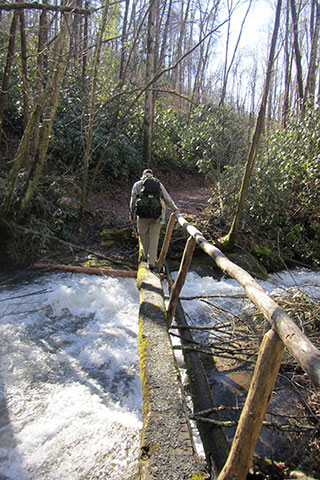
{"points": [[250, 264], [266, 255], [124, 235]]}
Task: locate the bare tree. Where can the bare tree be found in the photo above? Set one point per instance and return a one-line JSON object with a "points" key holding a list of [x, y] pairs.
{"points": [[47, 105], [257, 135], [287, 66], [149, 104], [227, 67], [165, 36], [41, 63], [208, 17], [312, 70], [85, 44], [297, 50], [7, 70]]}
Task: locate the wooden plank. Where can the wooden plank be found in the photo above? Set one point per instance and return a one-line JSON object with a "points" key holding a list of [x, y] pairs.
{"points": [[300, 347]]}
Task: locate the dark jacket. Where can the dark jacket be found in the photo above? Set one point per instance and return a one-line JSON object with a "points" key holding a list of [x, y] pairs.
{"points": [[136, 190]]}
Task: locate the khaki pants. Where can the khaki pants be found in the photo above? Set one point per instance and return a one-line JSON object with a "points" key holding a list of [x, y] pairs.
{"points": [[149, 231]]}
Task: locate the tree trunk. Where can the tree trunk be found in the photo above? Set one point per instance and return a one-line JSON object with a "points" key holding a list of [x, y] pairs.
{"points": [[7, 70], [124, 40], [165, 37], [227, 69], [149, 105], [89, 270], [123, 65], [311, 78], [180, 280], [55, 81], [257, 135], [255, 408], [287, 67], [297, 50], [41, 56], [24, 68], [21, 152], [85, 45]]}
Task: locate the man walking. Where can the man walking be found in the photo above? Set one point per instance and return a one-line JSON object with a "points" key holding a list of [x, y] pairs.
{"points": [[147, 201]]}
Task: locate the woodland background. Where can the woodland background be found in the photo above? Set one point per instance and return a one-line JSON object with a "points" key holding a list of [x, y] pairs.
{"points": [[93, 92]]}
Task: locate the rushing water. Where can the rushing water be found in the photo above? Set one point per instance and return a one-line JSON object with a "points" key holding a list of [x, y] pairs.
{"points": [[70, 387], [69, 380]]}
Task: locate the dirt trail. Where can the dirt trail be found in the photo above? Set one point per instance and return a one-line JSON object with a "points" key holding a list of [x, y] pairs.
{"points": [[110, 209], [190, 193]]}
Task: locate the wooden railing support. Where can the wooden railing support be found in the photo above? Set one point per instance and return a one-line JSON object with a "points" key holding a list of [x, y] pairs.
{"points": [[255, 408], [179, 282], [166, 241]]}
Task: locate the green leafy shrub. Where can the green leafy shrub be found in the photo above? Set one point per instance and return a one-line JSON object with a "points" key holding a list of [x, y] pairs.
{"points": [[68, 133], [284, 196], [215, 138], [69, 138], [169, 127], [206, 141], [13, 111]]}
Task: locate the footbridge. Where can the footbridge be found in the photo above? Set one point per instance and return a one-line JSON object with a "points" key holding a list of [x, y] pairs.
{"points": [[167, 451]]}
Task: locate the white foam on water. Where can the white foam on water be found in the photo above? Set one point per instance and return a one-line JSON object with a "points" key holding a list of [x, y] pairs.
{"points": [[298, 279], [71, 394]]}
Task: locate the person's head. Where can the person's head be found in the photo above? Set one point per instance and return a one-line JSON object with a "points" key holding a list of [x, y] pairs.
{"points": [[147, 171]]}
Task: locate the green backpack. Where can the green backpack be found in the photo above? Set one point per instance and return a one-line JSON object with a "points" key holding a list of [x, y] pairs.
{"points": [[148, 203]]}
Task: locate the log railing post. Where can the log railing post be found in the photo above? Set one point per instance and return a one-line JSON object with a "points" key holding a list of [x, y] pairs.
{"points": [[166, 241], [179, 282], [255, 408]]}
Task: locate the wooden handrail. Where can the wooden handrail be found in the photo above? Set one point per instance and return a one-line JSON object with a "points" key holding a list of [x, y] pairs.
{"points": [[284, 332], [300, 347]]}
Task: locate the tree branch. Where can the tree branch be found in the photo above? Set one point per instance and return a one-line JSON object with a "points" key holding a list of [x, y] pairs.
{"points": [[40, 6]]}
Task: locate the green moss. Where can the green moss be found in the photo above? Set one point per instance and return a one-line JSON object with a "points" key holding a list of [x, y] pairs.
{"points": [[141, 271], [198, 476], [124, 235], [263, 251], [142, 345], [270, 260], [107, 243]]}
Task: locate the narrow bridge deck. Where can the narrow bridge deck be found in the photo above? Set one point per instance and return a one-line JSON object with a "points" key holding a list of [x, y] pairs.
{"points": [[167, 451]]}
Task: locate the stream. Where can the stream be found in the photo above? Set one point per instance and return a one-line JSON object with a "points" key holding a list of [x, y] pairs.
{"points": [[70, 394]]}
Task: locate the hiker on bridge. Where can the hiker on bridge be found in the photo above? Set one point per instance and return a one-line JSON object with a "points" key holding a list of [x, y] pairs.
{"points": [[147, 205]]}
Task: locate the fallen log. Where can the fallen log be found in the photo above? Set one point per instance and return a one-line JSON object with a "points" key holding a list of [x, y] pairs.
{"points": [[89, 270]]}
